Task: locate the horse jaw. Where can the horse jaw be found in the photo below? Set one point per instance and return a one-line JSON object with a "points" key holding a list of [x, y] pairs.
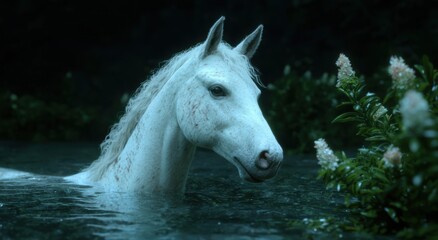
{"points": [[252, 148]]}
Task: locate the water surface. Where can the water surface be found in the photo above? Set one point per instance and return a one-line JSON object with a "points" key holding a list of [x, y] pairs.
{"points": [[217, 204]]}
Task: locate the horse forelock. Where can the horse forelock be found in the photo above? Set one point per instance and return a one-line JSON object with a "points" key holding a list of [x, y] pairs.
{"points": [[239, 63], [116, 140]]}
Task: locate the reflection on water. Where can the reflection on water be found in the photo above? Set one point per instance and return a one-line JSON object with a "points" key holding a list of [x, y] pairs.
{"points": [[217, 205]]}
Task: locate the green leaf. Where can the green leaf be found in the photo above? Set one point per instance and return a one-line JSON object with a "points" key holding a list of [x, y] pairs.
{"points": [[389, 95], [345, 117], [392, 214], [432, 195], [376, 138], [369, 214], [379, 174]]}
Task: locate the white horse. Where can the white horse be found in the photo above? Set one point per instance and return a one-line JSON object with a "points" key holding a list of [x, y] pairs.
{"points": [[203, 97]]}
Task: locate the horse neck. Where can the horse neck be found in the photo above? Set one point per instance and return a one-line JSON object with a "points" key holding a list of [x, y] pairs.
{"points": [[157, 156]]}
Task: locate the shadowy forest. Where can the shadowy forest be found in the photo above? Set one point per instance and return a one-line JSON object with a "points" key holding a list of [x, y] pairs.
{"points": [[67, 68]]}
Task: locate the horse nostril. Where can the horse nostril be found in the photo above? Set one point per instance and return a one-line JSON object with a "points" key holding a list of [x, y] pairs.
{"points": [[263, 162]]}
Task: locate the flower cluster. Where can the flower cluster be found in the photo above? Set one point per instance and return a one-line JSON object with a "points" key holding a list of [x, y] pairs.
{"points": [[393, 178], [415, 111], [401, 74], [345, 72], [392, 157], [326, 157]]}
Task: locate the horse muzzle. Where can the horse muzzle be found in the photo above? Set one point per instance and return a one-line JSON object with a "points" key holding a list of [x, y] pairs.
{"points": [[264, 167]]}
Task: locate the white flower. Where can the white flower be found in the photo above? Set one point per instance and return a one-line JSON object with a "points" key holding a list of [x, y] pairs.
{"points": [[326, 157], [392, 157], [414, 110], [345, 71], [402, 75]]}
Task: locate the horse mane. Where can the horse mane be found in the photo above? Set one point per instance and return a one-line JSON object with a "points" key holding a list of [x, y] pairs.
{"points": [[120, 132]]}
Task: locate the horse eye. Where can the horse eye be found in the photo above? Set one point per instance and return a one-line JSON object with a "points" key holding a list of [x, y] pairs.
{"points": [[217, 91]]}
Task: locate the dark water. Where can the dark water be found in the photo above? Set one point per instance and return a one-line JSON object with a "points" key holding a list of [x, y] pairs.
{"points": [[217, 205]]}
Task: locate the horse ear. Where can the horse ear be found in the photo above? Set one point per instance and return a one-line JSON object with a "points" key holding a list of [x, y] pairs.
{"points": [[214, 37], [250, 44]]}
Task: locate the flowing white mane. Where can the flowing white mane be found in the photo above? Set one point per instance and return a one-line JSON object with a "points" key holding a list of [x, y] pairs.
{"points": [[116, 140]]}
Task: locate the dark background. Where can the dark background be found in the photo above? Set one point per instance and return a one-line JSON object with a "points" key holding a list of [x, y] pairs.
{"points": [[84, 55]]}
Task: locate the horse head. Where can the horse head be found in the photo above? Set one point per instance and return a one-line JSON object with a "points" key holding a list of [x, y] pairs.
{"points": [[217, 107]]}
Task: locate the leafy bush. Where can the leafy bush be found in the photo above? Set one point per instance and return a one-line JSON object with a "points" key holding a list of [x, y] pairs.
{"points": [[29, 118], [391, 185], [300, 109]]}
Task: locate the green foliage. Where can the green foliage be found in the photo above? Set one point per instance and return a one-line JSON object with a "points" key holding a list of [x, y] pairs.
{"points": [[391, 184], [29, 118], [367, 111], [299, 106]]}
